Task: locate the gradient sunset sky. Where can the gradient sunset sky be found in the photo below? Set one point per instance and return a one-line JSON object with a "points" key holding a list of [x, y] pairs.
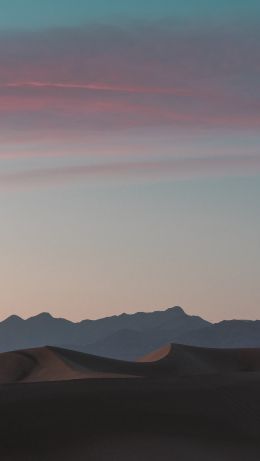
{"points": [[130, 157]]}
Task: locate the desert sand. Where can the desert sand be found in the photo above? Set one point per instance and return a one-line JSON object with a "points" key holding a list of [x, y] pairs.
{"points": [[179, 403]]}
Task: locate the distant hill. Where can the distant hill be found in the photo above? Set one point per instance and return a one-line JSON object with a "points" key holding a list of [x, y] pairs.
{"points": [[127, 336], [228, 333]]}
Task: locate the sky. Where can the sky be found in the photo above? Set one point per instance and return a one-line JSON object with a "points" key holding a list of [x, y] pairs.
{"points": [[129, 157]]}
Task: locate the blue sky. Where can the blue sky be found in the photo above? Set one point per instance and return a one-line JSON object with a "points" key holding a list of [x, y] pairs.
{"points": [[129, 157], [36, 14]]}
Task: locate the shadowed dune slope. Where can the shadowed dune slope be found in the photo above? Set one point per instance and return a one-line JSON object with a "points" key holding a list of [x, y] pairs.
{"points": [[51, 364], [171, 361], [187, 403], [15, 366], [182, 359]]}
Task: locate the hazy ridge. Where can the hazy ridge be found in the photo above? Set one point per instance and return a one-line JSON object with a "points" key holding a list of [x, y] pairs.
{"points": [[127, 336]]}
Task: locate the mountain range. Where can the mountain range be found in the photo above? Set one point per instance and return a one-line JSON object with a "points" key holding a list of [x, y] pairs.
{"points": [[127, 336]]}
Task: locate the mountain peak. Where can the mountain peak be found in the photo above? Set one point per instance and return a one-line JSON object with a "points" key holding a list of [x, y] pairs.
{"points": [[42, 316], [13, 318], [177, 310]]}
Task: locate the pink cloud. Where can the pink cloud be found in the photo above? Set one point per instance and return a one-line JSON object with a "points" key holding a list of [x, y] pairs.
{"points": [[57, 112], [73, 82], [96, 86], [174, 169]]}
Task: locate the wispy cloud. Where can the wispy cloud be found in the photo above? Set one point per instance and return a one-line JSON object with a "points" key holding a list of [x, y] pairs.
{"points": [[173, 169], [108, 78], [98, 87]]}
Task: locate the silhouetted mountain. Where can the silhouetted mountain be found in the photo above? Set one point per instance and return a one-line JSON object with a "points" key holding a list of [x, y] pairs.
{"points": [[228, 333], [129, 344], [107, 335], [126, 336]]}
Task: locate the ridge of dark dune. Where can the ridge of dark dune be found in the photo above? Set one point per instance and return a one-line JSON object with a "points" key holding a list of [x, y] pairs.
{"points": [[172, 361], [48, 400], [190, 359], [54, 364]]}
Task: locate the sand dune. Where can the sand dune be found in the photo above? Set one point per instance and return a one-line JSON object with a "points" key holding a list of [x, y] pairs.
{"points": [[182, 359], [181, 403], [158, 354], [15, 366], [52, 364], [171, 361]]}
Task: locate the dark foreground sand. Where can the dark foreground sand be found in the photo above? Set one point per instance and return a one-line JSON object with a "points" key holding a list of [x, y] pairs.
{"points": [[192, 404]]}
